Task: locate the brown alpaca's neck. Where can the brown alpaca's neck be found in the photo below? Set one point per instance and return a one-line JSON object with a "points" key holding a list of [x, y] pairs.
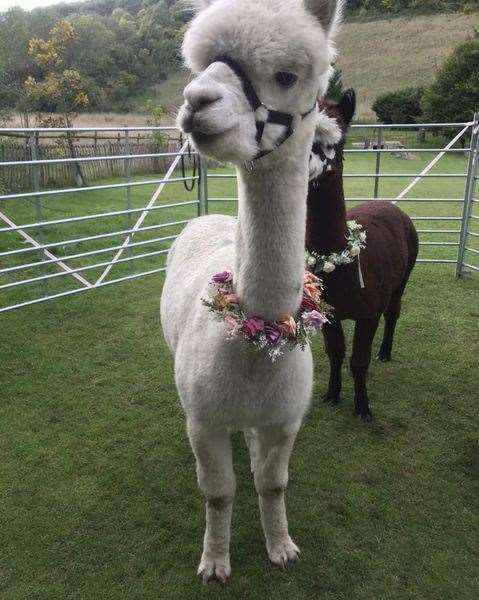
{"points": [[326, 227]]}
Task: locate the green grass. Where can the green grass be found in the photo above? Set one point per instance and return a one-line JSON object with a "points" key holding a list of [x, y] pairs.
{"points": [[97, 483]]}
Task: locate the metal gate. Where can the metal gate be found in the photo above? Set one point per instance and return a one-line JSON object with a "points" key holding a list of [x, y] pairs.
{"points": [[118, 218]]}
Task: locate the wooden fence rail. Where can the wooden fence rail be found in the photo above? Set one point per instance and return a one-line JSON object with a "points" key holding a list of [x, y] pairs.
{"points": [[19, 178]]}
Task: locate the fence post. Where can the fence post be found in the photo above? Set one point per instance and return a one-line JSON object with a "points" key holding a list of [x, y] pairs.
{"points": [[35, 173], [128, 180], [472, 170], [203, 187], [378, 163]]}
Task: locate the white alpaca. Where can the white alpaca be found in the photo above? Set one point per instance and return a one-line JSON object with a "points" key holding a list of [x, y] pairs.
{"points": [[284, 47]]}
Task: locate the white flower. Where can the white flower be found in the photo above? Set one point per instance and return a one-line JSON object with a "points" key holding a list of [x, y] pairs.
{"points": [[329, 267], [212, 290], [334, 258], [362, 236], [311, 261], [353, 225], [355, 250]]}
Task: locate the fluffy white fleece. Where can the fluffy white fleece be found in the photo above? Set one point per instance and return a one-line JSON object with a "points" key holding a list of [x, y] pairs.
{"points": [[221, 383]]}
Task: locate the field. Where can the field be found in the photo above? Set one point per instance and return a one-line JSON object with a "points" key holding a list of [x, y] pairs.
{"points": [[97, 481], [388, 54]]}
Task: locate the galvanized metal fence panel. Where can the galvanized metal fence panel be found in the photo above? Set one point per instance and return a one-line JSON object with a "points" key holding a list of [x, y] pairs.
{"points": [[83, 244]]}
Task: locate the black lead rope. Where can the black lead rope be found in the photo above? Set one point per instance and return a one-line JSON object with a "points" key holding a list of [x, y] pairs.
{"points": [[189, 187]]}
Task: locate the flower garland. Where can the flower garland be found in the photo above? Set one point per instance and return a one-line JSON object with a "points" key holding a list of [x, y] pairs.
{"points": [[327, 263], [272, 336]]}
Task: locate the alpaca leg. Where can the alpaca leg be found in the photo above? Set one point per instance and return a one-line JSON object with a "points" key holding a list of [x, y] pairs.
{"points": [[335, 347], [250, 439], [274, 446], [364, 332], [214, 466], [391, 317]]}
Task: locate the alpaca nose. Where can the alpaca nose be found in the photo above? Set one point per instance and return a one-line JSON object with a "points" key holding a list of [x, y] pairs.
{"points": [[200, 96]]}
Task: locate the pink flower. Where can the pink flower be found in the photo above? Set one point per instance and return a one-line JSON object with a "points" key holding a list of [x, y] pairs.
{"points": [[253, 327], [231, 300], [231, 322], [223, 277], [273, 334], [314, 319]]}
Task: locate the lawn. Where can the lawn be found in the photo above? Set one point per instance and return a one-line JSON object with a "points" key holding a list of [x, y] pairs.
{"points": [[97, 480]]}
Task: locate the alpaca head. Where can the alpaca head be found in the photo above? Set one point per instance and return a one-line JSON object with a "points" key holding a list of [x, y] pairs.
{"points": [[332, 123], [259, 66]]}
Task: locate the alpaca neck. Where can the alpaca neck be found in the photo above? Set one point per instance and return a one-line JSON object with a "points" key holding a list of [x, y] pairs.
{"points": [[270, 237], [326, 228]]}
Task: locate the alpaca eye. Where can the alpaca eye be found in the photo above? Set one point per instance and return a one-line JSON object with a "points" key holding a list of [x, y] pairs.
{"points": [[286, 79]]}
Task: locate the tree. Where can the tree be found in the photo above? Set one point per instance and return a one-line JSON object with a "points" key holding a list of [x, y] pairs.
{"points": [[335, 89], [454, 95], [402, 106], [58, 88], [15, 64]]}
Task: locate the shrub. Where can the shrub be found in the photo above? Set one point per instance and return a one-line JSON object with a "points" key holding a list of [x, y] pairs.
{"points": [[402, 106], [454, 95]]}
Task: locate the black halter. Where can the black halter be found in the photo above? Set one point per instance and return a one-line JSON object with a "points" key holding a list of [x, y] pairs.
{"points": [[272, 116], [319, 149]]}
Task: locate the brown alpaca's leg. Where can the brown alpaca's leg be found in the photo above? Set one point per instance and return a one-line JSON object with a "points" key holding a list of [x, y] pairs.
{"points": [[391, 317], [335, 347], [361, 357]]}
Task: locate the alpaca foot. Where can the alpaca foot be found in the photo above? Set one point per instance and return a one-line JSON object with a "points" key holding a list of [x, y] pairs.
{"points": [[331, 398], [214, 569], [365, 414], [283, 552], [383, 356]]}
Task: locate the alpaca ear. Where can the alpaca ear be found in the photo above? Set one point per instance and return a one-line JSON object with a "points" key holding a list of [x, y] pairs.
{"points": [[328, 13], [347, 105]]}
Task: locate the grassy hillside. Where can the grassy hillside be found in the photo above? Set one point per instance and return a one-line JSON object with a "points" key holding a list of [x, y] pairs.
{"points": [[378, 56]]}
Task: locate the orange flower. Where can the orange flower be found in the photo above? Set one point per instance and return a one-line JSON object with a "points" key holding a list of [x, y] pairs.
{"points": [[310, 277], [220, 300], [288, 326], [312, 291]]}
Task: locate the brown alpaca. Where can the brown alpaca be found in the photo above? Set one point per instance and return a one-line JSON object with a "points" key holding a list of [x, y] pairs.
{"points": [[385, 263]]}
